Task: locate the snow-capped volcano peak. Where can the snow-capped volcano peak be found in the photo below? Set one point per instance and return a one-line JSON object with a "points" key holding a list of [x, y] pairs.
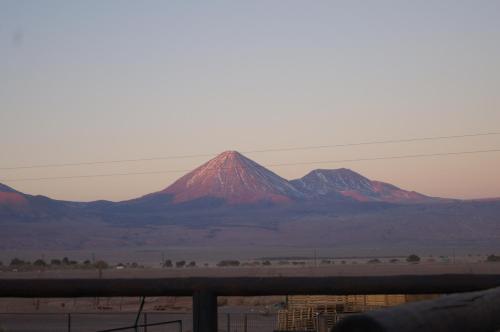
{"points": [[234, 178]]}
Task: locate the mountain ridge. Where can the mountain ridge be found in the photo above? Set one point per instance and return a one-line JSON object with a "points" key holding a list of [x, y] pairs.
{"points": [[238, 180]]}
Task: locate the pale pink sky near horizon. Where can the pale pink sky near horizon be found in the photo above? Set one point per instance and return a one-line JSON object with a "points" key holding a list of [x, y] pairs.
{"points": [[93, 80]]}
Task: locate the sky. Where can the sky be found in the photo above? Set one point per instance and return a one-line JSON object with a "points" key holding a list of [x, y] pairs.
{"points": [[105, 80]]}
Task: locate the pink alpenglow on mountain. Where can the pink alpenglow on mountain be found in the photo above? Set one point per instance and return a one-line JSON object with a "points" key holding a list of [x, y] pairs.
{"points": [[351, 184], [10, 197], [234, 178]]}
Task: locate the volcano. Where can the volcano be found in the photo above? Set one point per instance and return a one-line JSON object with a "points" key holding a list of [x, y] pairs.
{"points": [[235, 179], [350, 184]]}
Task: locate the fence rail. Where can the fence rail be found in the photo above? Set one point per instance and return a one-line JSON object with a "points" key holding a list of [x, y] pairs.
{"points": [[205, 290], [250, 286]]}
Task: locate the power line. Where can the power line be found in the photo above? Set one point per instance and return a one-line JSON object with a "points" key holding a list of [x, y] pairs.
{"points": [[300, 148], [410, 156]]}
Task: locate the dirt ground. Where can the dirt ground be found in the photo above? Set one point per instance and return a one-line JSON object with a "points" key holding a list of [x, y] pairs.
{"points": [[351, 268]]}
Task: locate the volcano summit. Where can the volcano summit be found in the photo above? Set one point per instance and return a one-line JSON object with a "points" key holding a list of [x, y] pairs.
{"points": [[234, 178]]}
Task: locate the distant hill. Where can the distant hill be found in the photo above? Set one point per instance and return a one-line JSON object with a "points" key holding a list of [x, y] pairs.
{"points": [[17, 206], [345, 182]]}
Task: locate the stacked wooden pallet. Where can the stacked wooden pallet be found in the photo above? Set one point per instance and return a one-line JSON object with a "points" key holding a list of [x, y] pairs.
{"points": [[302, 311]]}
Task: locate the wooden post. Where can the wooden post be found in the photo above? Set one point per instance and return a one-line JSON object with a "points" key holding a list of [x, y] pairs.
{"points": [[245, 323], [204, 311], [228, 322], [321, 323], [69, 322]]}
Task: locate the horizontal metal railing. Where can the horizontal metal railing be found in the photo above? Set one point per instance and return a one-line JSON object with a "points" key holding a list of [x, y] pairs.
{"points": [[206, 290], [248, 286]]}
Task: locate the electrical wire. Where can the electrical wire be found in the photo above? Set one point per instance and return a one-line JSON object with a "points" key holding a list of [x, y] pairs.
{"points": [[409, 156], [300, 148]]}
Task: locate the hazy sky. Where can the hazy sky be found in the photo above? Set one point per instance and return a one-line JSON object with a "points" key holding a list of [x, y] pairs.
{"points": [[104, 80]]}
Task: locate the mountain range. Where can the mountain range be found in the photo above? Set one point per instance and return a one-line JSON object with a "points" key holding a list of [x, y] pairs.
{"points": [[237, 180], [231, 194]]}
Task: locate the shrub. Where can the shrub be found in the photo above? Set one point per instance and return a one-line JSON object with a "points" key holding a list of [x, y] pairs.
{"points": [[39, 262], [167, 263], [493, 258], [101, 265], [180, 263], [266, 263], [17, 262], [192, 264], [55, 262], [228, 262], [413, 258], [374, 261]]}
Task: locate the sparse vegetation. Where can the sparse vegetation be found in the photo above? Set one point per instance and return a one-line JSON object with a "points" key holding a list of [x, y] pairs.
{"points": [[228, 262], [39, 263], [101, 265], [266, 263], [493, 258], [413, 258], [16, 262], [55, 262], [394, 260], [374, 261]]}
